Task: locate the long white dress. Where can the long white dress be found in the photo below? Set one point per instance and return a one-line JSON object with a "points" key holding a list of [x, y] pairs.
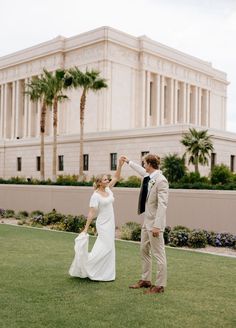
{"points": [[99, 264]]}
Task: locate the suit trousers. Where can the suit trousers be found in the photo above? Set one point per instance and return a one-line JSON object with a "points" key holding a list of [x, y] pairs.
{"points": [[153, 246]]}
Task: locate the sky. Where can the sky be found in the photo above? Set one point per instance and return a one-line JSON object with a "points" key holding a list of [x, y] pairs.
{"points": [[202, 28]]}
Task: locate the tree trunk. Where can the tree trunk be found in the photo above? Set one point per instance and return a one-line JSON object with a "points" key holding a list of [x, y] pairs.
{"points": [[196, 167], [82, 108], [54, 152], [42, 132]]}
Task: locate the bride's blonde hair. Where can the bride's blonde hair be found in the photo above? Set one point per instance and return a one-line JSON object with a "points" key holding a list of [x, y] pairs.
{"points": [[98, 180]]}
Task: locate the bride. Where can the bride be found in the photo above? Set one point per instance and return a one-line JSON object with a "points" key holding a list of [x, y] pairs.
{"points": [[99, 264]]}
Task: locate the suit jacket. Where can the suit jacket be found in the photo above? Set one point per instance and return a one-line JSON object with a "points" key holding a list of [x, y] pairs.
{"points": [[157, 198]]}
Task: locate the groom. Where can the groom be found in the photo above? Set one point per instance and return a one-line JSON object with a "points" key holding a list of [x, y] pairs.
{"points": [[153, 201]]}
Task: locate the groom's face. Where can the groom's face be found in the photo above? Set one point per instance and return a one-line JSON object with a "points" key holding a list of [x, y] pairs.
{"points": [[147, 166]]}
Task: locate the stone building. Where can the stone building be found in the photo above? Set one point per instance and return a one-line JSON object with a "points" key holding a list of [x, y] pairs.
{"points": [[155, 93]]}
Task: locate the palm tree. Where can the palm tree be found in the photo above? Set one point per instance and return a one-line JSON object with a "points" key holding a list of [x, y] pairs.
{"points": [[90, 80], [54, 84], [37, 91], [198, 145]]}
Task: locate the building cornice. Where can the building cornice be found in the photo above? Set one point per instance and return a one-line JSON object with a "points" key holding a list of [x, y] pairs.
{"points": [[140, 44], [174, 131]]}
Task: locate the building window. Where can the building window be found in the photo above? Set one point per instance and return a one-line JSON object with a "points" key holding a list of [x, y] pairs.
{"points": [[38, 163], [143, 153], [113, 157], [85, 162], [19, 164], [60, 163], [232, 160], [213, 160]]}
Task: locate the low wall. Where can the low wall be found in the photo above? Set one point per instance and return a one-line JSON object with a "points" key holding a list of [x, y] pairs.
{"points": [[207, 209]]}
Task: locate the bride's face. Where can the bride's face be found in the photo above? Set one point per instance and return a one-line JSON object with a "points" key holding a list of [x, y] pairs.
{"points": [[105, 181]]}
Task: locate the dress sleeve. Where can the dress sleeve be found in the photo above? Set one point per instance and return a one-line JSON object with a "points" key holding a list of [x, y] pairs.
{"points": [[94, 201]]}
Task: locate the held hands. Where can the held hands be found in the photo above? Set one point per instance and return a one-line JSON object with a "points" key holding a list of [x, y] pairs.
{"points": [[124, 159]]}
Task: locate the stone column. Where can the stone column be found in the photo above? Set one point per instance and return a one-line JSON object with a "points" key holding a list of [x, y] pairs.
{"points": [[147, 99], [207, 108], [158, 100], [199, 106], [2, 111], [182, 102], [140, 115], [19, 108], [195, 118], [38, 118], [171, 101], [187, 103], [162, 102], [134, 101], [30, 117], [25, 111], [13, 120], [175, 103], [7, 111]]}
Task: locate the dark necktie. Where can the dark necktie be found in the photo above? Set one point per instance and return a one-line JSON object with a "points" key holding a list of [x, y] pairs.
{"points": [[143, 194]]}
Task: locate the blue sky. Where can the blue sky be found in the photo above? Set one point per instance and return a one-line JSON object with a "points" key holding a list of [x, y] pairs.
{"points": [[202, 28]]}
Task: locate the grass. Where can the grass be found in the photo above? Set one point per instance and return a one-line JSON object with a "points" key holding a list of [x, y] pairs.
{"points": [[36, 291]]}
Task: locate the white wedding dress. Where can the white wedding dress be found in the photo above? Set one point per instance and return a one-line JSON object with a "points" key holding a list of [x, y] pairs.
{"points": [[99, 264]]}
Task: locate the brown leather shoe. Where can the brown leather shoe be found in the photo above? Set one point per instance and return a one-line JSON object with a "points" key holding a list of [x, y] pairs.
{"points": [[155, 290], [141, 284]]}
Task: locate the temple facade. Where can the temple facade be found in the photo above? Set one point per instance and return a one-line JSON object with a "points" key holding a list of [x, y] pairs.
{"points": [[155, 93]]}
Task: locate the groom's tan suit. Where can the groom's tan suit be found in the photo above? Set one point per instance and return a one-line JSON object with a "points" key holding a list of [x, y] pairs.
{"points": [[154, 216]]}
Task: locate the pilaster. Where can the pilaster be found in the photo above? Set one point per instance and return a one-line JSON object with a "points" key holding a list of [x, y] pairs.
{"points": [[158, 100], [162, 102], [13, 119], [2, 110], [147, 99], [199, 106]]}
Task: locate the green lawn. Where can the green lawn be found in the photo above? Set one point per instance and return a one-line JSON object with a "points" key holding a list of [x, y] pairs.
{"points": [[36, 291]]}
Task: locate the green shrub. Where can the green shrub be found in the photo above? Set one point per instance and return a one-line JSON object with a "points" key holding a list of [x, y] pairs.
{"points": [[211, 237], [221, 174], [67, 179], [178, 238], [194, 177], [131, 231], [197, 239], [52, 217], [132, 182], [76, 224], [17, 180], [21, 215], [173, 167], [9, 213], [180, 227], [2, 212], [36, 213]]}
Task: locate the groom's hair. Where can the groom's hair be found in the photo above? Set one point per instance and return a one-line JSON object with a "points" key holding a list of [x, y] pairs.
{"points": [[153, 160]]}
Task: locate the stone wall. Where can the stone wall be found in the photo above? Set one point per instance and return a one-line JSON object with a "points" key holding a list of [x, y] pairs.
{"points": [[205, 209]]}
